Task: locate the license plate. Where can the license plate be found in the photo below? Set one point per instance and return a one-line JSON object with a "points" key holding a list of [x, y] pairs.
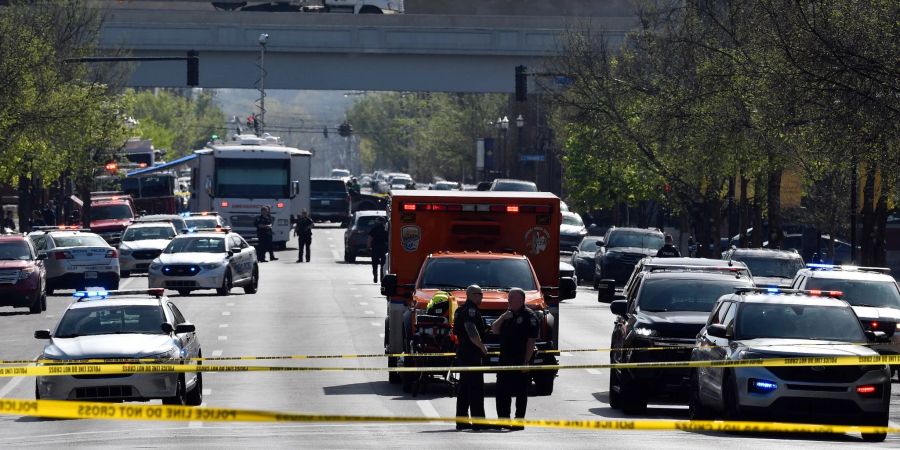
{"points": [[326, 202], [90, 275]]}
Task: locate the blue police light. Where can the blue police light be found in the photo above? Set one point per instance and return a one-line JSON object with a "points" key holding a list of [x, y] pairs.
{"points": [[821, 266], [773, 290], [185, 214], [762, 386], [99, 294], [193, 269]]}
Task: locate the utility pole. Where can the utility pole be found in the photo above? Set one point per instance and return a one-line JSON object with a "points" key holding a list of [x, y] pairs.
{"points": [[263, 39]]}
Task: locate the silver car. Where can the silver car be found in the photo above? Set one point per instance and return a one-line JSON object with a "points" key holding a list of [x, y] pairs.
{"points": [[140, 324], [759, 323], [141, 244], [76, 259], [217, 260]]}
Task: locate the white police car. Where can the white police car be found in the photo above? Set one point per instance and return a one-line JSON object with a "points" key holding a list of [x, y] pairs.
{"points": [[142, 243], [76, 258], [122, 325], [206, 259]]}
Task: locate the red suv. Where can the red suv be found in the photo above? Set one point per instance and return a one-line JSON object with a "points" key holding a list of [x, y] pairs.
{"points": [[23, 279]]}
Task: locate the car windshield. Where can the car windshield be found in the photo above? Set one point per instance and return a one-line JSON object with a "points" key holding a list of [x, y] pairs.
{"points": [[144, 233], [771, 267], [572, 219], [514, 187], [108, 212], [327, 186], [201, 222], [15, 251], [639, 240], [680, 294], [366, 222], [882, 294], [589, 245], [80, 240], [778, 321], [136, 319], [196, 245], [450, 273], [340, 173]]}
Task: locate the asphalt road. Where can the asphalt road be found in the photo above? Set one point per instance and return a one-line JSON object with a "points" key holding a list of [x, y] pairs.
{"points": [[329, 307]]}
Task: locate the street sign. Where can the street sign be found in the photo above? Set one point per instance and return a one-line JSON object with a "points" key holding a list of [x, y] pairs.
{"points": [[527, 158]]}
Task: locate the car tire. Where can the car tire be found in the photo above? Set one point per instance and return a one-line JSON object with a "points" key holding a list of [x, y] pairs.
{"points": [[351, 258], [114, 285], [731, 410], [596, 283], [180, 398], [253, 285], [44, 302], [543, 382], [37, 392], [184, 292], [49, 291], [226, 285], [195, 396], [369, 9], [882, 421], [124, 274], [696, 409], [35, 307], [393, 377], [615, 399]]}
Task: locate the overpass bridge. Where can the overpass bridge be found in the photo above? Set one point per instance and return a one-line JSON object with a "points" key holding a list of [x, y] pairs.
{"points": [[406, 52]]}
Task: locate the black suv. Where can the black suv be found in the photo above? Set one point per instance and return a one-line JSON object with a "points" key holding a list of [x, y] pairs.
{"points": [[664, 307], [329, 200], [770, 267], [622, 249]]}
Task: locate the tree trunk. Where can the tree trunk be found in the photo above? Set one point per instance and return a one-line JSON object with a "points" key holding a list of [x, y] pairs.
{"points": [[879, 247], [868, 217], [84, 191], [757, 234], [744, 219], [774, 208], [25, 206]]}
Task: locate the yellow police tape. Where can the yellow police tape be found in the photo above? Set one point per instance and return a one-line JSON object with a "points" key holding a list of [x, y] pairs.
{"points": [[59, 409], [373, 355], [116, 369]]}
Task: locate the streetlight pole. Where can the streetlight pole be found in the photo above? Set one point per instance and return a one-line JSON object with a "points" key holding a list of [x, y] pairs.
{"points": [[263, 39], [502, 127], [520, 126]]}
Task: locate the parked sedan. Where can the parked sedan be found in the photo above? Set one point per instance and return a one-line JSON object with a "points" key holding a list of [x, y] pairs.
{"points": [[583, 257], [23, 278], [141, 244], [356, 238], [571, 231], [760, 323]]}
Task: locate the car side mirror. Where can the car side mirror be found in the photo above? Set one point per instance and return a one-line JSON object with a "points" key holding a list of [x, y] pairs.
{"points": [[186, 327], [574, 249], [619, 307], [389, 285], [41, 256], [717, 330], [230, 253], [607, 290], [877, 336], [167, 327], [42, 334], [567, 288], [601, 243]]}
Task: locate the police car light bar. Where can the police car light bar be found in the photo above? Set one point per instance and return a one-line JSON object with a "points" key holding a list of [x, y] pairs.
{"points": [[59, 228], [210, 230], [675, 267], [100, 294], [773, 290], [472, 207], [818, 266]]}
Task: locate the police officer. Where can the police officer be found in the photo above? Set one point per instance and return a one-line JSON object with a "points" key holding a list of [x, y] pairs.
{"points": [[668, 250], [468, 326], [303, 231], [518, 328], [8, 222], [263, 225], [378, 247]]}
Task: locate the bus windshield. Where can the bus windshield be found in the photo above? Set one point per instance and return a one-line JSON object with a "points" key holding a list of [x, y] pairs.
{"points": [[252, 178]]}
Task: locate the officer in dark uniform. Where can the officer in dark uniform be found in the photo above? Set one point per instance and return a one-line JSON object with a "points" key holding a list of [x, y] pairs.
{"points": [[263, 225], [668, 250], [468, 326], [378, 247], [518, 328], [303, 231]]}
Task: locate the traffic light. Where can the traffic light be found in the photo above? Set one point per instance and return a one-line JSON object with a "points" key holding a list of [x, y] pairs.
{"points": [[112, 167], [521, 84], [345, 130], [193, 68]]}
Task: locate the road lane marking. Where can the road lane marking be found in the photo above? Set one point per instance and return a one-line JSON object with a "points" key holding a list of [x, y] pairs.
{"points": [[335, 254], [197, 424], [124, 284], [49, 316], [353, 288], [566, 354], [217, 353], [369, 312], [363, 303], [223, 325], [10, 385], [428, 409], [377, 324], [594, 371], [223, 338], [229, 304], [226, 313], [357, 295], [381, 335]]}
